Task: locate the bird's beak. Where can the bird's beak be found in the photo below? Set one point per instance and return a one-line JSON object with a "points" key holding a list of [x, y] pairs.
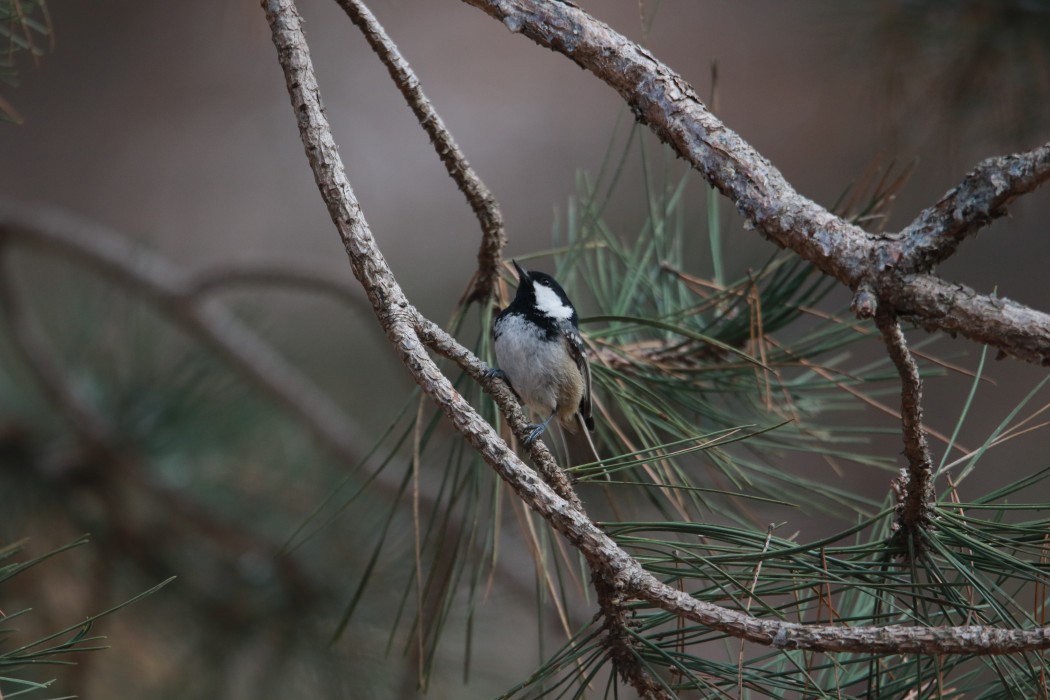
{"points": [[523, 274]]}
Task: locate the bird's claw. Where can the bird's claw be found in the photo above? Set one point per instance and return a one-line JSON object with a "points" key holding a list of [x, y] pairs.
{"points": [[536, 430], [495, 373]]}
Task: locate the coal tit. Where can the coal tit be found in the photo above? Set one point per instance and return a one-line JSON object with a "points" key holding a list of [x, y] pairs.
{"points": [[540, 353]]}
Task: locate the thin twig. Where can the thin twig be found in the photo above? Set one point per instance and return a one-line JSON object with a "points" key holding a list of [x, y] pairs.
{"points": [[485, 282], [485, 207], [915, 483]]}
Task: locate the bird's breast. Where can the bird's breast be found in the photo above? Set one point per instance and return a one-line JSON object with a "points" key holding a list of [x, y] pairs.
{"points": [[541, 371]]}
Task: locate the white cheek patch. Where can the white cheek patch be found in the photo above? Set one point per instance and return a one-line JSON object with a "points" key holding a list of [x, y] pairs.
{"points": [[548, 303]]}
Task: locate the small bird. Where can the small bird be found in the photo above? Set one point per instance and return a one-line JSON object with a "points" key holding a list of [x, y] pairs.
{"points": [[540, 353]]}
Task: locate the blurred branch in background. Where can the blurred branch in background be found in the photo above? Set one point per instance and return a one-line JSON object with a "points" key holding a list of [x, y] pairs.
{"points": [[152, 278], [25, 28], [112, 479]]}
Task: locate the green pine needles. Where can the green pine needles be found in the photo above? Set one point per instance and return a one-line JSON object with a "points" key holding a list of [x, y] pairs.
{"points": [[720, 409]]}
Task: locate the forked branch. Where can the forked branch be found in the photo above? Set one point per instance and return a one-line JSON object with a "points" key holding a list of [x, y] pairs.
{"points": [[671, 108], [607, 559]]}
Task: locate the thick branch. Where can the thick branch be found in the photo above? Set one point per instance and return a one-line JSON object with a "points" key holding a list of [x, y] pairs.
{"points": [[671, 108], [605, 557], [665, 102], [972, 204], [916, 483], [478, 196], [1015, 329]]}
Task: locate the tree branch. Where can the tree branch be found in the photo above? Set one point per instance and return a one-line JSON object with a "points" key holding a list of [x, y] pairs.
{"points": [[606, 559], [479, 197], [916, 482], [666, 103], [981, 197], [1016, 330], [661, 99], [272, 273]]}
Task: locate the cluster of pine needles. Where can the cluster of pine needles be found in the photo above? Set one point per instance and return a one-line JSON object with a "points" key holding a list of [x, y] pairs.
{"points": [[720, 407]]}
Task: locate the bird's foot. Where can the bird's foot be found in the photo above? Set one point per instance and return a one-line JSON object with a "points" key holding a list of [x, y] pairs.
{"points": [[495, 373], [536, 430]]}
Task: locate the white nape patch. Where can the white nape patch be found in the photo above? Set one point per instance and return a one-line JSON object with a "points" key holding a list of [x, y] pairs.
{"points": [[549, 304]]}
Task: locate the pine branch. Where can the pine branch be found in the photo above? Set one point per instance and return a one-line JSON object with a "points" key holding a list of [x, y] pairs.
{"points": [[398, 319], [915, 485], [479, 197], [671, 108], [980, 198]]}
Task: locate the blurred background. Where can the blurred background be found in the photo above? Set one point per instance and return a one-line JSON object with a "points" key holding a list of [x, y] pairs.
{"points": [[169, 124]]}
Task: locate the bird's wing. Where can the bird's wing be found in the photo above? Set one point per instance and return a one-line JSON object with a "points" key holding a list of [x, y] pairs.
{"points": [[578, 352]]}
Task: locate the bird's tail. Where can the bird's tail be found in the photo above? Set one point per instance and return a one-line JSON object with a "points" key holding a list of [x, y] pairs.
{"points": [[587, 427]]}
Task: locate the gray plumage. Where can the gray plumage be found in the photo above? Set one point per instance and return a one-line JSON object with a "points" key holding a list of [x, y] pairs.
{"points": [[541, 354]]}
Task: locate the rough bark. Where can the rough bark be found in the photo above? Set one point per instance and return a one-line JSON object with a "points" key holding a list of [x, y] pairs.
{"points": [[915, 485]]}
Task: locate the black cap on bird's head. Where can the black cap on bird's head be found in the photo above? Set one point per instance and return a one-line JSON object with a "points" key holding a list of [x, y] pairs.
{"points": [[542, 293]]}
